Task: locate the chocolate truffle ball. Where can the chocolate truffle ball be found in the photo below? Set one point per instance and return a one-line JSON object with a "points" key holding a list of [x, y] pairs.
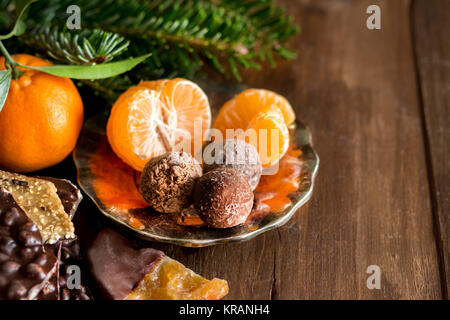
{"points": [[223, 198], [168, 181], [235, 154]]}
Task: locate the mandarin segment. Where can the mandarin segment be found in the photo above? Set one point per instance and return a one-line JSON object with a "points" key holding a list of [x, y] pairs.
{"points": [[192, 109], [157, 85]]}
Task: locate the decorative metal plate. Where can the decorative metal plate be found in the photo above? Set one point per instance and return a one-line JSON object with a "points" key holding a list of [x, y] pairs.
{"points": [[112, 186]]}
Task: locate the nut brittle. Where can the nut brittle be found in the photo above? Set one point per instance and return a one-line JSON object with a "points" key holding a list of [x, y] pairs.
{"points": [[40, 201]]}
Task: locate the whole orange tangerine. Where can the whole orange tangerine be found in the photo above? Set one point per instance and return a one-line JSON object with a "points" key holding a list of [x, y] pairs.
{"points": [[41, 119]]}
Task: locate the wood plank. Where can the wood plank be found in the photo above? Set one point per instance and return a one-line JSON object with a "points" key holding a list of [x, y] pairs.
{"points": [[357, 90], [431, 21]]}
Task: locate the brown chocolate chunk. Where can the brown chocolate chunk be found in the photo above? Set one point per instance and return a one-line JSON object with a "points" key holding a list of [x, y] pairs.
{"points": [[25, 268], [117, 265], [70, 255]]}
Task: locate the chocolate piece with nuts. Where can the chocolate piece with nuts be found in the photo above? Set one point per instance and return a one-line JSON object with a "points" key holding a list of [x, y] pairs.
{"points": [[25, 268], [39, 199], [70, 255], [57, 288], [68, 251]]}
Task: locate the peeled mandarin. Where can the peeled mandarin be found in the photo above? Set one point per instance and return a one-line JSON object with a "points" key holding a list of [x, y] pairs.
{"points": [[272, 135], [156, 117], [237, 112]]}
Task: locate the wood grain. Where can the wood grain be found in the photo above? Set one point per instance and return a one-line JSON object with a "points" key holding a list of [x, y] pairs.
{"points": [[431, 20], [357, 90]]}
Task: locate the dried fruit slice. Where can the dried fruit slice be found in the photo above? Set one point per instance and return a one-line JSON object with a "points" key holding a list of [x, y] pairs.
{"points": [[123, 271], [40, 201], [156, 117], [170, 280]]}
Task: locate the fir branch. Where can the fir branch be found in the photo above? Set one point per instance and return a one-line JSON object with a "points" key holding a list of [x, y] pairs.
{"points": [[182, 35], [78, 47], [185, 32]]}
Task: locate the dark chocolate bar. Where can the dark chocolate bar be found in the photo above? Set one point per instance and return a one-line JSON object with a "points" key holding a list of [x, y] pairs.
{"points": [[68, 254], [25, 268], [67, 250]]}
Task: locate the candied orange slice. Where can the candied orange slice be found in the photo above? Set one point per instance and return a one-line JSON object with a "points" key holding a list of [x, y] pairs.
{"points": [[156, 117], [170, 280]]}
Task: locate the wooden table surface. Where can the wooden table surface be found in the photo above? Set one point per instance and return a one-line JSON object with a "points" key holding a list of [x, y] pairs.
{"points": [[378, 105]]}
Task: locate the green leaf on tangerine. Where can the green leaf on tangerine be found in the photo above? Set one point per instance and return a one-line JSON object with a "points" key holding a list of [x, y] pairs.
{"points": [[5, 80], [91, 72]]}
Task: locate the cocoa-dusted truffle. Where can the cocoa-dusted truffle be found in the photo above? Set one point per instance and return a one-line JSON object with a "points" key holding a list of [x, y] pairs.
{"points": [[223, 198], [167, 181], [234, 154]]}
